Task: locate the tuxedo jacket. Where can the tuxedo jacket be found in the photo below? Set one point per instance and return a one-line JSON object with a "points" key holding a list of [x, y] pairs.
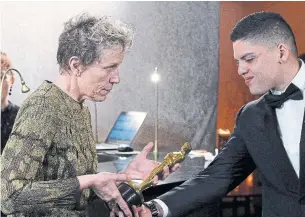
{"points": [[254, 143]]}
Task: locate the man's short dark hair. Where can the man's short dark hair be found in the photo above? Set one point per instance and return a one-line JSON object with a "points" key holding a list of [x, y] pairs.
{"points": [[265, 27]]}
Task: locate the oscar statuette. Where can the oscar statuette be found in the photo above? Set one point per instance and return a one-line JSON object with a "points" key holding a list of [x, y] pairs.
{"points": [[132, 192]]}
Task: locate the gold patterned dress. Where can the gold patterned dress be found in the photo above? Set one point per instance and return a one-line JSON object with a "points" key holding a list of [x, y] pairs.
{"points": [[50, 145]]}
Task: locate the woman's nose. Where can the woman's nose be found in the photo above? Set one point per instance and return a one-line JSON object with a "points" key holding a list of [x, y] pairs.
{"points": [[115, 79]]}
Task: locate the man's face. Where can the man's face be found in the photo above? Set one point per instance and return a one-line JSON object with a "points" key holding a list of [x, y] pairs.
{"points": [[257, 64], [97, 80]]}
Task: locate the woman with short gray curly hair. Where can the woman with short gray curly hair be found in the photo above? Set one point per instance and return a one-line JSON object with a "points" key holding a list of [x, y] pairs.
{"points": [[50, 159], [87, 37]]}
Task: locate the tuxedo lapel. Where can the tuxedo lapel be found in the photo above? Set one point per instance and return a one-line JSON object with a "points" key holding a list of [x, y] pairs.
{"points": [[282, 164], [302, 163]]}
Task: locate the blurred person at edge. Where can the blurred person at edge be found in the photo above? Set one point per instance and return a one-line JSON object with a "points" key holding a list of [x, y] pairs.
{"points": [[8, 109]]}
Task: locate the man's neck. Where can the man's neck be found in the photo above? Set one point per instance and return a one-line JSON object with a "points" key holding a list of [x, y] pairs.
{"points": [[68, 84], [287, 75]]}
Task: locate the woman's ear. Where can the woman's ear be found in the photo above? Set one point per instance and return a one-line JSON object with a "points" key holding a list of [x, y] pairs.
{"points": [[75, 66]]}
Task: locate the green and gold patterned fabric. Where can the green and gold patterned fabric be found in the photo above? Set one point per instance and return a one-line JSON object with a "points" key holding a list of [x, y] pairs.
{"points": [[50, 145]]}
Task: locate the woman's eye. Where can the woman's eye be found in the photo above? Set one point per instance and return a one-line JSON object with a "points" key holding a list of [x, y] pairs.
{"points": [[110, 68]]}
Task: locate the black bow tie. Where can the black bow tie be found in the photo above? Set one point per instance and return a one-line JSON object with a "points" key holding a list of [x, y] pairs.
{"points": [[276, 101]]}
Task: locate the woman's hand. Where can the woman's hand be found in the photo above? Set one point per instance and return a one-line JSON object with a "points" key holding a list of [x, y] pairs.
{"points": [[105, 187]]}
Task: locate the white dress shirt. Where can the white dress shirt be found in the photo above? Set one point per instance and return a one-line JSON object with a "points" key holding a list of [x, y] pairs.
{"points": [[290, 118]]}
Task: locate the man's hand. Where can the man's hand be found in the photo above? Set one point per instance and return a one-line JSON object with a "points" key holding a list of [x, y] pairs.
{"points": [[141, 166], [141, 211]]}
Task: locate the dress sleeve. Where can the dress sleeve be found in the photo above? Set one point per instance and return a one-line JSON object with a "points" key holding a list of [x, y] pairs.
{"points": [[31, 138]]}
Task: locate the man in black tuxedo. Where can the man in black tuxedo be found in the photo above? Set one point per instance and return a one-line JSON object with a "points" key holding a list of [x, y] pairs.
{"points": [[269, 133]]}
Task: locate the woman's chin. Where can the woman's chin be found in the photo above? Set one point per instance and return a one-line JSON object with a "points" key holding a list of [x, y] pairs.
{"points": [[98, 98]]}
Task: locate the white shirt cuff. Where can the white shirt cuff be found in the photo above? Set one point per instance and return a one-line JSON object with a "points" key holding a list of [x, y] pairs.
{"points": [[164, 207]]}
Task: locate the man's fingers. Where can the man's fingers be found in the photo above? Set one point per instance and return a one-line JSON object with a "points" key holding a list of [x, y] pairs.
{"points": [[137, 208], [175, 167], [156, 180], [165, 172]]}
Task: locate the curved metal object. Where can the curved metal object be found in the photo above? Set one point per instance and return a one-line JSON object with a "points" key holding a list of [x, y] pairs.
{"points": [[24, 88]]}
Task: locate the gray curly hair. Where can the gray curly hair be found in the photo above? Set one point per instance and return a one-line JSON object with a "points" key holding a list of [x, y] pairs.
{"points": [[87, 36]]}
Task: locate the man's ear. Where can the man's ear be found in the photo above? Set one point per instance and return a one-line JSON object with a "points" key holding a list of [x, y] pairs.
{"points": [[75, 66], [284, 53]]}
